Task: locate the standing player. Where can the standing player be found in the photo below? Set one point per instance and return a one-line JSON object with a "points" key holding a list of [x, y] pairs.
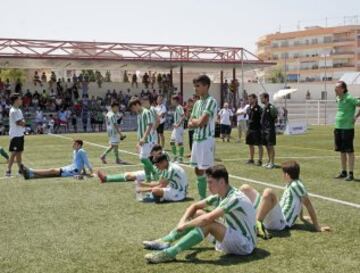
{"points": [[177, 135], [16, 133], [231, 222], [344, 129], [161, 111], [203, 121], [145, 141], [114, 133], [225, 115], [253, 136], [77, 168], [268, 132], [146, 102], [274, 215]]}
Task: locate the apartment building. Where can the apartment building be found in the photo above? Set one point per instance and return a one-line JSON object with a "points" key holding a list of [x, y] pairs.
{"points": [[315, 53]]}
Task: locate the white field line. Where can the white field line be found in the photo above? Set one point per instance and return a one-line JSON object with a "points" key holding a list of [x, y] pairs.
{"points": [[338, 201]]}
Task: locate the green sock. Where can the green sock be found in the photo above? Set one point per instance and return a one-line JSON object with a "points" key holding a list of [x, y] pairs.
{"points": [[173, 149], [116, 178], [108, 150], [116, 153], [175, 235], [147, 168], [181, 152], [3, 153], [202, 185], [191, 239]]}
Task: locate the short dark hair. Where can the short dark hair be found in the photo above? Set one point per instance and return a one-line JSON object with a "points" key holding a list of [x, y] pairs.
{"points": [[114, 103], [14, 97], [160, 158], [292, 168], [176, 97], [134, 101], [217, 172], [156, 147], [265, 95], [203, 79], [253, 96], [79, 141], [343, 85]]}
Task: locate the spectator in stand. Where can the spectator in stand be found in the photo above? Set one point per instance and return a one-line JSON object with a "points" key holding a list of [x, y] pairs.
{"points": [[74, 121], [18, 86], [2, 86], [159, 80], [224, 116], [146, 80], [62, 119], [93, 120], [134, 81], [242, 119], [36, 79], [100, 120], [85, 117], [39, 118], [52, 79], [153, 80], [161, 112], [43, 78]]}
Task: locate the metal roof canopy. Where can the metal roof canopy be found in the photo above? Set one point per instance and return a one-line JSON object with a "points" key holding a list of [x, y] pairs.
{"points": [[26, 53]]}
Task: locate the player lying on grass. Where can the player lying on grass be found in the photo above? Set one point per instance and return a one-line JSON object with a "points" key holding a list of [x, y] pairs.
{"points": [[172, 184], [80, 161], [274, 215], [132, 176], [232, 222]]}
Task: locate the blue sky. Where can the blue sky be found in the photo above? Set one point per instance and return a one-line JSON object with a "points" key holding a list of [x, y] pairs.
{"points": [[201, 22]]}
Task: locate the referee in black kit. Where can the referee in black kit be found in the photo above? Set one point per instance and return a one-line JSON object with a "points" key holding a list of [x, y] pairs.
{"points": [[253, 136]]}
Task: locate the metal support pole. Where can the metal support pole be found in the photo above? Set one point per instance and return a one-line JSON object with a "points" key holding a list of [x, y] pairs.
{"points": [[182, 84], [325, 89], [221, 88], [242, 74], [318, 114], [235, 91]]}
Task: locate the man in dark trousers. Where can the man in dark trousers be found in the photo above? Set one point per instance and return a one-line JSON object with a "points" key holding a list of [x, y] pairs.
{"points": [[253, 136], [268, 132]]}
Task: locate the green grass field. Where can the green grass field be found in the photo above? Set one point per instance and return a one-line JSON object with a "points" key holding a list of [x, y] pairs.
{"points": [[67, 225]]}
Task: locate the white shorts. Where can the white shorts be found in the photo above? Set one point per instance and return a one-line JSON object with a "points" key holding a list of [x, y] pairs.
{"points": [[140, 175], [145, 150], [69, 170], [202, 154], [242, 125], [114, 140], [177, 135], [275, 219], [171, 194], [235, 243]]}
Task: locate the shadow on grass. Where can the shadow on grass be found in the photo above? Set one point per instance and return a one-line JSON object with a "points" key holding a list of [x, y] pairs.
{"points": [[187, 199], [304, 227], [280, 234], [225, 260]]}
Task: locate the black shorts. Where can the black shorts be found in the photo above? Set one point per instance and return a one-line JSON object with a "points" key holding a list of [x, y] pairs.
{"points": [[160, 128], [253, 137], [225, 129], [344, 140], [16, 144], [268, 138]]}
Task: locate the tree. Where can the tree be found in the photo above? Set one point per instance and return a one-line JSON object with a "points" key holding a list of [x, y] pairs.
{"points": [[13, 74], [276, 75]]}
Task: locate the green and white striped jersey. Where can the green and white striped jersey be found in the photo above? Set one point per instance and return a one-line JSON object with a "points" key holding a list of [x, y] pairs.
{"points": [[290, 201], [239, 213], [154, 118], [144, 119], [178, 114], [176, 177], [206, 106], [111, 123]]}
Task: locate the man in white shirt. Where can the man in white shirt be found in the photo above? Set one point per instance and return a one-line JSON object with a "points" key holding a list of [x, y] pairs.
{"points": [[225, 115], [242, 120], [16, 133], [161, 112]]}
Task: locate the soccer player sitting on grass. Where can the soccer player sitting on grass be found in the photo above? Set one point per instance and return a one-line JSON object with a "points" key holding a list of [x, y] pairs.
{"points": [[172, 184], [177, 135], [76, 169], [114, 134], [132, 176], [145, 143], [274, 215], [232, 222]]}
